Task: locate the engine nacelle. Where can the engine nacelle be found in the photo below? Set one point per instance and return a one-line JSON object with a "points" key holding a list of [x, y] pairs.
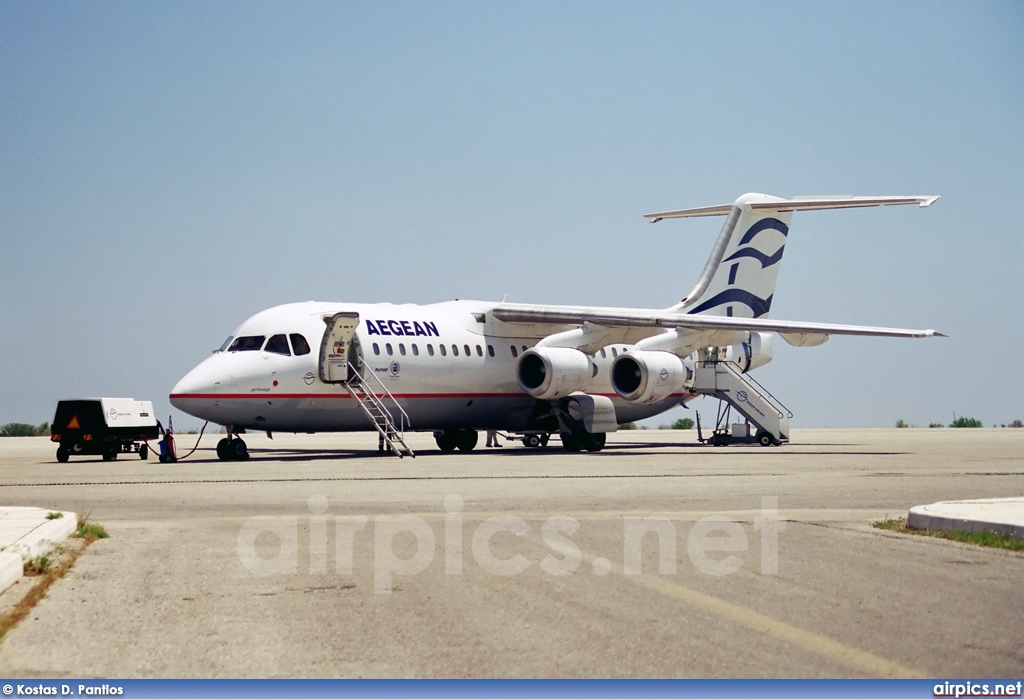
{"points": [[649, 376], [755, 352], [553, 372]]}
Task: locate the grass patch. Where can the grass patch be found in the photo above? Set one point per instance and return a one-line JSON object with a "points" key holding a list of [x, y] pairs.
{"points": [[990, 539], [40, 565], [90, 531], [48, 568], [54, 515], [45, 580]]}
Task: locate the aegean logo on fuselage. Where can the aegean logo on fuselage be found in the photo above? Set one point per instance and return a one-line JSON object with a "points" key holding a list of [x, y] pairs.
{"points": [[401, 328]]}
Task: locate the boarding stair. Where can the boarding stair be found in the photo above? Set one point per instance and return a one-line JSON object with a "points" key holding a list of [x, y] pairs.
{"points": [[337, 349], [390, 428], [725, 381]]}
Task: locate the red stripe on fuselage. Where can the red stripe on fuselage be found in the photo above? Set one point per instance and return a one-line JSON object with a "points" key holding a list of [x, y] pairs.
{"points": [[343, 396]]}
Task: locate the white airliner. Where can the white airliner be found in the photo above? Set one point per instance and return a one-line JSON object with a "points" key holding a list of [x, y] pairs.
{"points": [[460, 366]]}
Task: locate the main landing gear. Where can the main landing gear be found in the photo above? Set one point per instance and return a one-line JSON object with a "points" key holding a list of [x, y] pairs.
{"points": [[579, 440], [450, 440], [232, 449]]}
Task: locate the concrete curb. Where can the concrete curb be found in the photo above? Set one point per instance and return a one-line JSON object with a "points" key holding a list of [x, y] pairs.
{"points": [[998, 515], [11, 569], [25, 532]]}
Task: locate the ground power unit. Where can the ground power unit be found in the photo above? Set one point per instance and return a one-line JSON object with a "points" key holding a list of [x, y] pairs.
{"points": [[103, 427]]}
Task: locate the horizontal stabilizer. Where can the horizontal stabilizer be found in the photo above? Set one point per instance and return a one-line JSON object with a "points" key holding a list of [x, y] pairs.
{"points": [[795, 204]]}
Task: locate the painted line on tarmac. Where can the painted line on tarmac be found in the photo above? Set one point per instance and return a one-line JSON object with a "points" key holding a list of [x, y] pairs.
{"points": [[331, 479], [853, 658]]}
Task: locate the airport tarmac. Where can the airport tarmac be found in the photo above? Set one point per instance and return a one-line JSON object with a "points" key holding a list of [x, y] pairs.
{"points": [[317, 558]]}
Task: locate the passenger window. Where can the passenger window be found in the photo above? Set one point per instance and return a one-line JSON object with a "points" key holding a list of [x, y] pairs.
{"points": [[389, 350], [430, 350], [249, 343], [401, 348], [468, 353], [603, 355], [415, 350], [444, 352], [455, 350], [514, 353], [376, 348], [615, 352], [278, 344], [490, 350], [524, 348], [299, 345]]}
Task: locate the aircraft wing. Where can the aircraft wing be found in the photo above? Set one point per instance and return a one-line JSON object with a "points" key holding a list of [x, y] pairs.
{"points": [[650, 318]]}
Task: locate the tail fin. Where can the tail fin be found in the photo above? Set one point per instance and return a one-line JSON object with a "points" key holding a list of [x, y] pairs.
{"points": [[739, 277]]}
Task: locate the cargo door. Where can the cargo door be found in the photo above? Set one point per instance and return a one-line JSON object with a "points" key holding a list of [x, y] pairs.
{"points": [[337, 348]]}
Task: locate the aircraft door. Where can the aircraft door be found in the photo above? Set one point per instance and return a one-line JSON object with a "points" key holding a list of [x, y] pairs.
{"points": [[337, 348]]}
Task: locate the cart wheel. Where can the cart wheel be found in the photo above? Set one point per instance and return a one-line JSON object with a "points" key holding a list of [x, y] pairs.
{"points": [[63, 454], [544, 440], [144, 452], [532, 441], [765, 439]]}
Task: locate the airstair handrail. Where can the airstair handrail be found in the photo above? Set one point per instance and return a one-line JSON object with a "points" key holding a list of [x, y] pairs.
{"points": [[763, 390], [405, 417]]}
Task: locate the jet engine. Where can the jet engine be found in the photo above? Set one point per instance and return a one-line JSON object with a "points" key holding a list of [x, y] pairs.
{"points": [[649, 376], [553, 372]]}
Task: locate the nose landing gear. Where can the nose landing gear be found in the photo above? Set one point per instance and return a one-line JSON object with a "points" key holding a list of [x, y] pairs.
{"points": [[232, 448]]}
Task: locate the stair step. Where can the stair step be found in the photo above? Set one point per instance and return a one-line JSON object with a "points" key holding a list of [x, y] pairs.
{"points": [[379, 417]]}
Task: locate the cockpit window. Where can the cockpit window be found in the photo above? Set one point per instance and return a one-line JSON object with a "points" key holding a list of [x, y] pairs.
{"points": [[278, 344], [299, 344], [227, 343], [249, 343]]}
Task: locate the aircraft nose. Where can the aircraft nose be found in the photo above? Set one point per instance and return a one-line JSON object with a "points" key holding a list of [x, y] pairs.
{"points": [[209, 378]]}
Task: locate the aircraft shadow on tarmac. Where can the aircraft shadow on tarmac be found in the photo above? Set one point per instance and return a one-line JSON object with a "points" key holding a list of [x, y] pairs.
{"points": [[633, 449]]}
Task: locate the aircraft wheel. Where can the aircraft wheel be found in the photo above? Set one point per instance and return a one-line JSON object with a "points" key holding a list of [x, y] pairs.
{"points": [[765, 439], [467, 439], [223, 450], [63, 454], [531, 440], [570, 442], [144, 452], [594, 442], [446, 441], [239, 450]]}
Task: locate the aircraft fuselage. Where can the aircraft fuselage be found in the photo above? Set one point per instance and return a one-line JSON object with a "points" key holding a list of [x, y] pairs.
{"points": [[449, 365]]}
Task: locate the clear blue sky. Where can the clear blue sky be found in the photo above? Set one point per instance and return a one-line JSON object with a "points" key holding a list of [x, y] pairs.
{"points": [[168, 169]]}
